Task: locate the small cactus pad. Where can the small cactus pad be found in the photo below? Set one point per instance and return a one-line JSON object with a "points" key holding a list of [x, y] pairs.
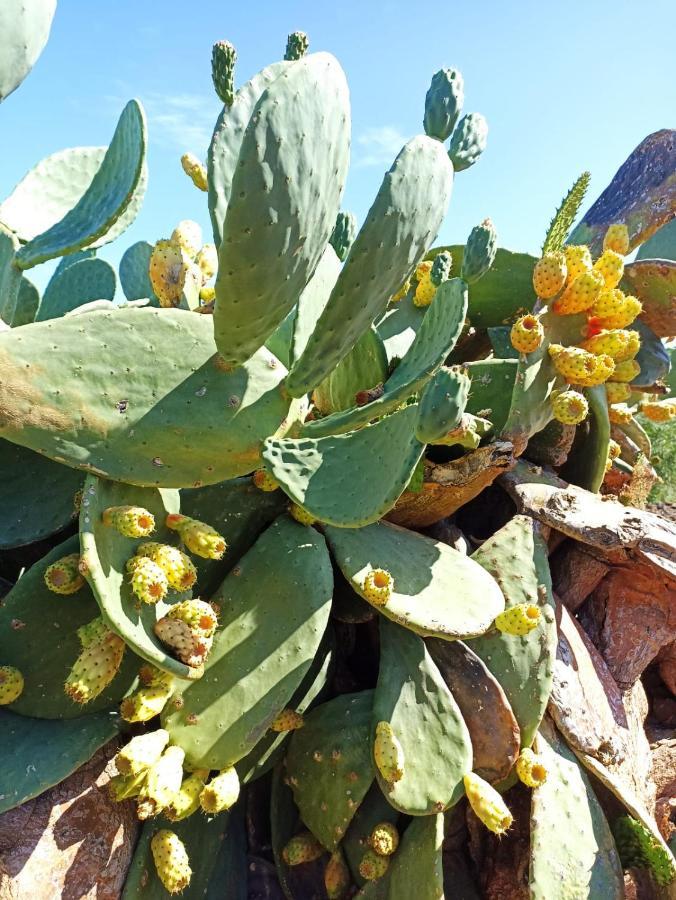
{"points": [[83, 282], [329, 765], [419, 600], [413, 698], [417, 869]]}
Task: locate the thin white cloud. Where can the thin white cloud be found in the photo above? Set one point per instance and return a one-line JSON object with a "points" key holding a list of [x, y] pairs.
{"points": [[379, 146], [183, 121]]}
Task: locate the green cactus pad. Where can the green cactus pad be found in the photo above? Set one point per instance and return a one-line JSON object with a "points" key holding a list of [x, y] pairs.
{"points": [[653, 358], [134, 277], [273, 612], [313, 300], [468, 141], [147, 373], [39, 637], [24, 30], [90, 279], [662, 245], [413, 697], [286, 193], [582, 856], [653, 281], [104, 556], [237, 510], [442, 405], [642, 195], [499, 336], [420, 599], [484, 707], [586, 463], [279, 342], [399, 228], [364, 367], [36, 754], [417, 867], [351, 479], [27, 302], [373, 809], [329, 766], [399, 326], [36, 513], [433, 342], [104, 202], [516, 556], [10, 276]]}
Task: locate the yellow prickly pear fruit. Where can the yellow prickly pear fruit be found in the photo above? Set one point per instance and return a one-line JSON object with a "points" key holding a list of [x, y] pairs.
{"points": [[264, 481], [95, 668], [631, 308], [632, 348], [518, 620], [578, 260], [403, 290], [617, 238], [617, 391], [384, 839], [610, 266], [487, 804], [372, 866], [604, 367], [579, 295], [613, 309], [124, 787], [141, 752], [620, 414], [301, 515], [187, 800], [63, 576], [549, 275], [148, 581], [189, 645], [162, 782], [207, 260], [287, 720], [221, 793], [388, 753], [171, 861], [195, 171], [146, 703], [199, 538], [176, 565], [197, 615], [130, 521], [424, 292], [169, 266], [11, 684], [423, 269], [577, 366], [613, 343], [188, 236], [336, 876], [659, 410], [302, 848], [530, 769], [570, 407], [626, 371], [614, 449], [207, 294], [527, 334], [378, 586], [608, 303]]}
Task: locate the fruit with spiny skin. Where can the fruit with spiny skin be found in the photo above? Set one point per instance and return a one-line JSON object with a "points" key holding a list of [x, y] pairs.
{"points": [[207, 260], [617, 391], [384, 839], [146, 703], [570, 407], [530, 768], [423, 269], [610, 266], [617, 238], [63, 576], [168, 270], [424, 292], [518, 620], [487, 804], [223, 59], [200, 538], [578, 260], [264, 481], [626, 371], [608, 303], [632, 348], [336, 876], [620, 414], [579, 366], [221, 793], [388, 753], [630, 310], [207, 294], [162, 783], [301, 515], [659, 410], [187, 800], [580, 294], [372, 866], [11, 684], [176, 565], [130, 521], [141, 752], [197, 615], [171, 861], [613, 343], [401, 293], [302, 848], [148, 581], [195, 170], [190, 646], [95, 668], [188, 236], [480, 250], [287, 720], [527, 334], [549, 275], [378, 586]]}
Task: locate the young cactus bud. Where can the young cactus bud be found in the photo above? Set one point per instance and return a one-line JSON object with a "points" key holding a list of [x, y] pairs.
{"points": [[187, 800], [146, 703], [177, 566], [343, 234], [195, 170], [518, 620], [480, 250], [148, 581], [207, 260], [617, 238], [297, 44], [384, 839], [199, 538], [388, 753], [301, 515], [171, 861], [130, 521], [223, 59], [626, 371], [620, 414], [614, 343], [578, 260], [487, 804], [287, 720], [303, 848], [264, 481], [168, 270], [570, 407], [527, 334], [617, 391], [162, 783], [197, 615], [95, 668], [11, 685], [530, 769], [63, 576], [579, 295], [659, 410], [221, 793], [441, 268], [336, 876], [372, 866], [424, 292], [125, 787], [190, 646], [141, 752], [378, 586], [92, 632], [468, 141], [549, 275], [610, 266], [443, 103], [188, 236]]}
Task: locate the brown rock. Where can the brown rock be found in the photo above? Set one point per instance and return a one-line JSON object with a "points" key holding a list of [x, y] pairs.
{"points": [[667, 666], [505, 872], [575, 574]]}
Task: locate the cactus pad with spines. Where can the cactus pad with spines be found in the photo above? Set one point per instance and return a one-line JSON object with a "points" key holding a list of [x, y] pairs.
{"points": [[442, 404], [468, 141], [87, 280], [417, 867], [359, 374], [443, 103]]}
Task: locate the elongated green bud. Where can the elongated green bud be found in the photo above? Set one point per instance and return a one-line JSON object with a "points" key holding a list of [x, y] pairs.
{"points": [[343, 234], [95, 668], [92, 632], [443, 103], [372, 866], [176, 565], [146, 703], [199, 538], [297, 44], [223, 59], [468, 141], [130, 521], [480, 250], [441, 268]]}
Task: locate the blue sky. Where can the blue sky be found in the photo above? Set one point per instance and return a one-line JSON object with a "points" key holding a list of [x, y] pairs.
{"points": [[564, 87]]}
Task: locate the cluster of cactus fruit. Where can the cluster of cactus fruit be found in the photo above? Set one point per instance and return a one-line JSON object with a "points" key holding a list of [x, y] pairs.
{"points": [[292, 404]]}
